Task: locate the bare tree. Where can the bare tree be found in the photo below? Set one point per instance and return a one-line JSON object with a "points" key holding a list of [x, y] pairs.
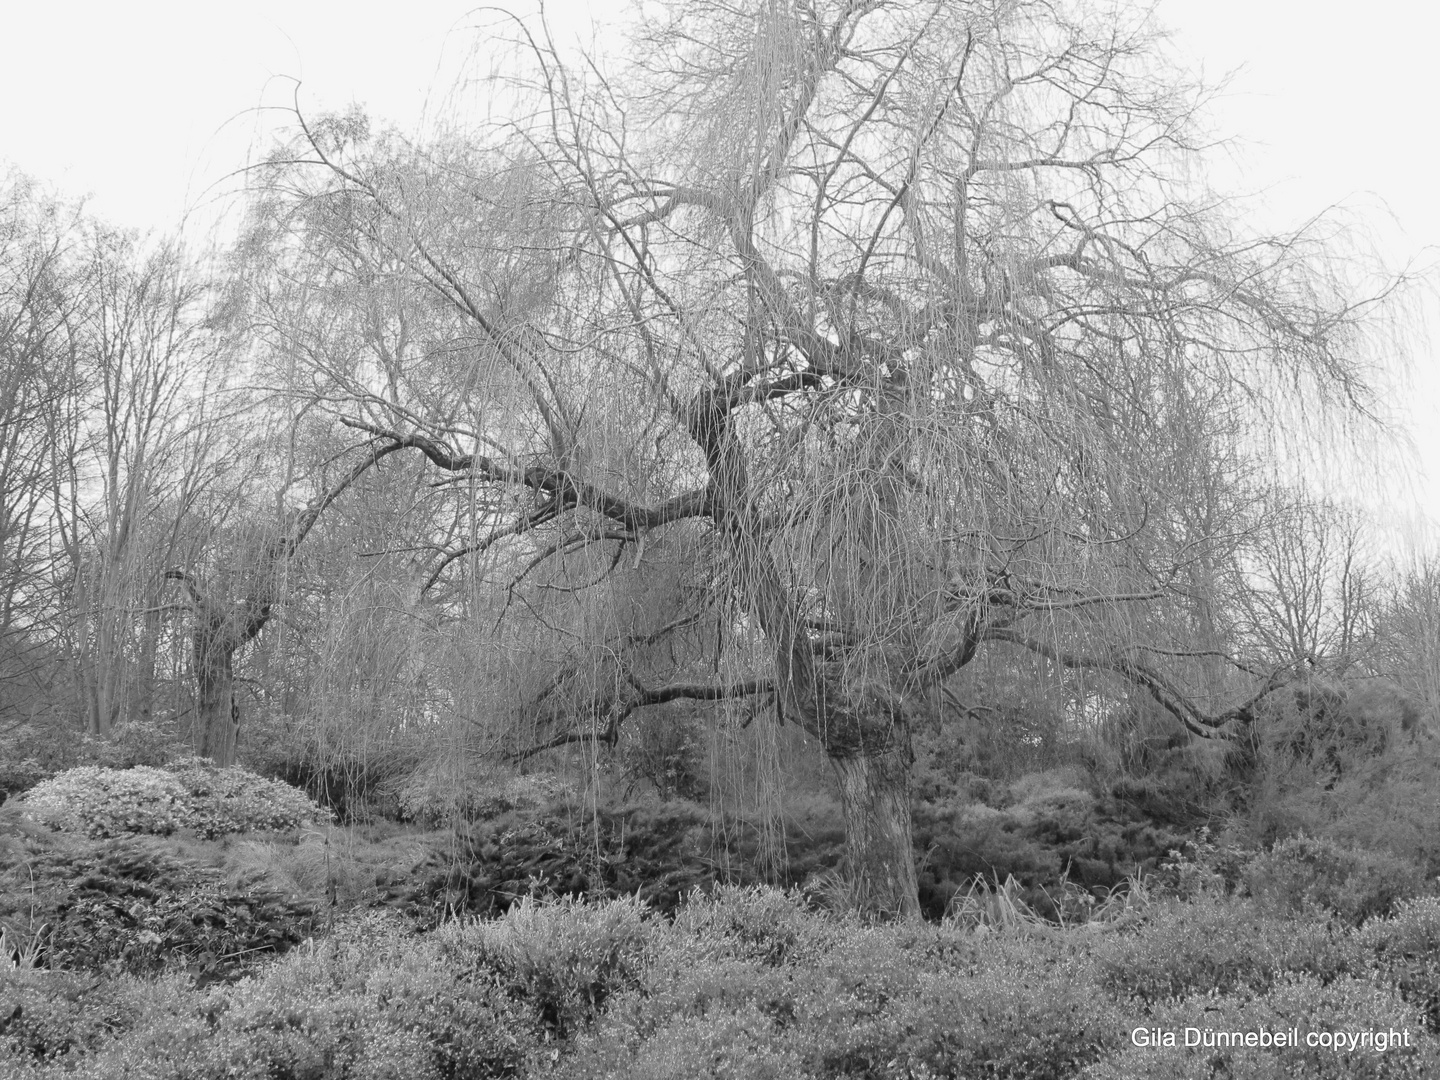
{"points": [[37, 345], [1310, 594], [142, 364], [903, 318]]}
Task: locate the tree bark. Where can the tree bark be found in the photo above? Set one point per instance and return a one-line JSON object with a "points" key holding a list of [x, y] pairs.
{"points": [[220, 631], [218, 715], [879, 850]]}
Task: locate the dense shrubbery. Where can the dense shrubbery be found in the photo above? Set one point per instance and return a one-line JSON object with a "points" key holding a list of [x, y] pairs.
{"points": [[190, 794], [127, 907], [1208, 946], [1300, 1002], [1040, 829], [433, 797], [657, 851], [751, 983], [1407, 949], [371, 1003], [1302, 873], [564, 959]]}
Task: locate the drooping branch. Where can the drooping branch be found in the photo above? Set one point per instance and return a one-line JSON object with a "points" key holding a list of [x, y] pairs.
{"points": [[1170, 698]]}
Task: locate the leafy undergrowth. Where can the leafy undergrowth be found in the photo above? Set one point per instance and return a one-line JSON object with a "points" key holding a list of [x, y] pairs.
{"points": [[753, 983], [656, 851], [136, 907]]}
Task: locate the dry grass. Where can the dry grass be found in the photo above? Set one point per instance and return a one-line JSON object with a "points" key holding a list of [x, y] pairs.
{"points": [[987, 907]]}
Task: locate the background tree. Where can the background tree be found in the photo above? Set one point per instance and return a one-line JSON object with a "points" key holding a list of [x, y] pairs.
{"points": [[143, 367], [1310, 597], [37, 343]]}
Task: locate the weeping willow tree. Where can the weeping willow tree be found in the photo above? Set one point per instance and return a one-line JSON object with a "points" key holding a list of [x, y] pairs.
{"points": [[811, 352]]}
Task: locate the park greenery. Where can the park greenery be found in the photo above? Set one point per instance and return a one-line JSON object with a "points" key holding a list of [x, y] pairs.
{"points": [[812, 547]]}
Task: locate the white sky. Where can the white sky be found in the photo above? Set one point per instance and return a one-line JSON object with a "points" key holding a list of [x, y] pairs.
{"points": [[148, 106]]}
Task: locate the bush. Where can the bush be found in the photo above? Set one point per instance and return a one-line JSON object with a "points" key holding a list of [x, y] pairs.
{"points": [[563, 958], [19, 776], [1213, 947], [1043, 829], [136, 742], [101, 802], [436, 795], [371, 1004], [236, 800], [1041, 1028], [59, 1017], [1303, 874], [651, 850], [1407, 949], [758, 924], [747, 983], [1344, 1005], [126, 907]]}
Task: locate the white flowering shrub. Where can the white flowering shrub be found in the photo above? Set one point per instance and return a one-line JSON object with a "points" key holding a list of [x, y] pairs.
{"points": [[189, 794]]}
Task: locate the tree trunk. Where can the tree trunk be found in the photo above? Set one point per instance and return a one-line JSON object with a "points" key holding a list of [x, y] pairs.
{"points": [[218, 717], [879, 851]]}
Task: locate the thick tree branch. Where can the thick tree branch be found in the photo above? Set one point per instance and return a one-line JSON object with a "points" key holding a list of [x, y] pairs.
{"points": [[556, 484], [1161, 689]]}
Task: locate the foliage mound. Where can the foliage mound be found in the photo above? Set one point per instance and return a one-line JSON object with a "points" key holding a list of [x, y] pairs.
{"points": [[130, 907], [190, 794], [1302, 872], [564, 958]]}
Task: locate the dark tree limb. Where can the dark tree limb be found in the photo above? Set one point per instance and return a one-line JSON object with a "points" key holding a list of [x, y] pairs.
{"points": [[1160, 688], [555, 484]]}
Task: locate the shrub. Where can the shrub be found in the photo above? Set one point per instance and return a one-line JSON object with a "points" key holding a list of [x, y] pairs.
{"points": [[136, 742], [19, 776], [564, 958], [1407, 949], [735, 1043], [1213, 947], [1201, 867], [651, 850], [1303, 873], [760, 924], [59, 1017], [1344, 1005], [101, 802], [236, 800], [371, 1004], [845, 1000], [998, 1025], [126, 907], [1042, 829], [436, 794]]}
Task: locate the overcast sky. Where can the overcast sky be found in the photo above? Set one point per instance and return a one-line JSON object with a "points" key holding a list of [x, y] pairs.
{"points": [[147, 107]]}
